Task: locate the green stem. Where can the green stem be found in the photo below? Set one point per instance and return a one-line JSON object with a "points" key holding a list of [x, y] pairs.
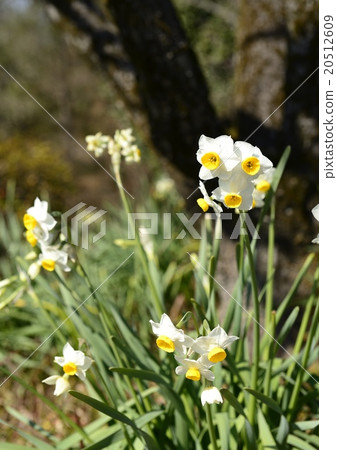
{"points": [[211, 429], [270, 350], [239, 298], [270, 266], [53, 324], [304, 324], [158, 304], [283, 306], [304, 362], [256, 345]]}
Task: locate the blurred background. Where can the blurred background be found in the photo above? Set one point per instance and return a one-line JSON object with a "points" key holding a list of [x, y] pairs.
{"points": [[172, 70]]}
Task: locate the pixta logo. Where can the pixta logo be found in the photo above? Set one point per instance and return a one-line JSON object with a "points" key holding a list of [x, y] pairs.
{"points": [[80, 223], [150, 225]]}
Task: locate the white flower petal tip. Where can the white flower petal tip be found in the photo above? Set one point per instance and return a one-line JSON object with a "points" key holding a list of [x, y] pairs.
{"points": [[211, 395]]}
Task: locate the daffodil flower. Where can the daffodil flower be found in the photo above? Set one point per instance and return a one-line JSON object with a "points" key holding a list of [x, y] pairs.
{"points": [[163, 187], [131, 154], [34, 270], [315, 212], [216, 156], [38, 222], [97, 143], [170, 338], [252, 161], [211, 395], [73, 362], [51, 256], [213, 345], [263, 181], [62, 385], [124, 138], [195, 369], [262, 185], [236, 192], [207, 201]]}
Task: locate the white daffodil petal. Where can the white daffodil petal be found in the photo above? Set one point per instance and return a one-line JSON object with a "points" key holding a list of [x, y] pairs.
{"points": [[81, 374], [62, 386], [87, 363], [51, 380], [180, 370], [74, 356], [211, 395], [60, 360], [209, 375], [315, 212]]}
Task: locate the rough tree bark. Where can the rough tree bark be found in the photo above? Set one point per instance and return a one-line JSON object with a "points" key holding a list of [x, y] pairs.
{"points": [[166, 74]]}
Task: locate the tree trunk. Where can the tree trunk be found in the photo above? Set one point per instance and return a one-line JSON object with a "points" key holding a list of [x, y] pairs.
{"points": [[149, 59], [170, 82]]}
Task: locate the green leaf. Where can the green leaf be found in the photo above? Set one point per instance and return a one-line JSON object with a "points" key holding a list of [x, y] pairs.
{"points": [[286, 301], [119, 435], [265, 399], [265, 434], [297, 442], [309, 438], [114, 414], [282, 431], [308, 425], [250, 435], [97, 426], [288, 325], [223, 424], [131, 338], [186, 317], [151, 376], [232, 400], [9, 446]]}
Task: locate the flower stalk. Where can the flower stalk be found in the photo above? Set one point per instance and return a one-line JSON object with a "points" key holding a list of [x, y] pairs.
{"points": [[256, 316]]}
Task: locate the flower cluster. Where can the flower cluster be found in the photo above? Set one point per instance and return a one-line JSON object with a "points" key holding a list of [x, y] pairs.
{"points": [[244, 173], [40, 226], [121, 145], [210, 350], [73, 362]]}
